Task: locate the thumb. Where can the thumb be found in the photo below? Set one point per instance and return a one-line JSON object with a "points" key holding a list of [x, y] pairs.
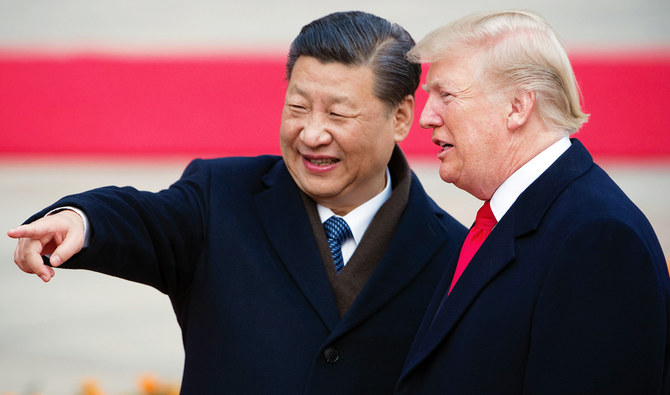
{"points": [[71, 245]]}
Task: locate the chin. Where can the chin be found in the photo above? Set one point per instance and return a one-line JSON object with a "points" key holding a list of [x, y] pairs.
{"points": [[447, 176], [317, 190]]}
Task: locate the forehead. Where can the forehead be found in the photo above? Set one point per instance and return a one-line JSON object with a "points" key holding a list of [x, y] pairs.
{"points": [[311, 76], [453, 73]]}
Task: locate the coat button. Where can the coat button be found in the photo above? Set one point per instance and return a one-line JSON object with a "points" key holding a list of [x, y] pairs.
{"points": [[331, 355]]}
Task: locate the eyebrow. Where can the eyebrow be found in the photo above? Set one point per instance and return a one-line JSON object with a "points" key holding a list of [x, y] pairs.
{"points": [[448, 86], [339, 99], [435, 83]]}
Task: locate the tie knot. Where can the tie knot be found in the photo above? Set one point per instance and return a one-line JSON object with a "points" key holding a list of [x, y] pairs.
{"points": [[485, 218], [337, 229]]}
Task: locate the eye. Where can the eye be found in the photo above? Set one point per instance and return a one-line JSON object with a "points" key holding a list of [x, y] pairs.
{"points": [[340, 114], [297, 108], [445, 95]]}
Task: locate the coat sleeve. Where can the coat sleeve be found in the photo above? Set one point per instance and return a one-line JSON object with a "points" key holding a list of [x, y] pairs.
{"points": [[151, 238], [601, 321]]}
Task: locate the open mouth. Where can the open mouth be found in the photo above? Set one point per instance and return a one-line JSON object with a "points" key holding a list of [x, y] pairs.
{"points": [[322, 161], [445, 146]]}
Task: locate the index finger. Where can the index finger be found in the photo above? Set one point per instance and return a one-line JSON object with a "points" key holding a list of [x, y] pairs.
{"points": [[35, 230], [18, 232]]}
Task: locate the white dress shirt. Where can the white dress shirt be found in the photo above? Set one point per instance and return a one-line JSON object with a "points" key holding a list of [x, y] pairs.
{"points": [[509, 191], [359, 218]]}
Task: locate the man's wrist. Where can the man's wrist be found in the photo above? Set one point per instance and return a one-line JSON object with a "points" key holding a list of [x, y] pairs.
{"points": [[83, 216]]}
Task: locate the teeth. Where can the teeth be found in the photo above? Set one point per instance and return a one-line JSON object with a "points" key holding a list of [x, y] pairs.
{"points": [[323, 161]]}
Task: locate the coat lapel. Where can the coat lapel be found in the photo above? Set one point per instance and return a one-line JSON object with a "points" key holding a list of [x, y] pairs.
{"points": [[287, 226], [493, 256], [418, 237], [497, 252]]}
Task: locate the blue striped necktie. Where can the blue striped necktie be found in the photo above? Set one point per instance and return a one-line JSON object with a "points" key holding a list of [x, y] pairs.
{"points": [[337, 232]]}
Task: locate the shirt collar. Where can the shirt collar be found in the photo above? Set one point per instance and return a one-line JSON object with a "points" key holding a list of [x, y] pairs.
{"points": [[359, 218], [513, 187]]}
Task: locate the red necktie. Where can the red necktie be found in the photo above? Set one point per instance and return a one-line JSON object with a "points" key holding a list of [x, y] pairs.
{"points": [[484, 222]]}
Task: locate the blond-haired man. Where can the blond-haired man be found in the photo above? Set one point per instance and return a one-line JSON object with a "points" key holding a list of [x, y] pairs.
{"points": [[561, 286]]}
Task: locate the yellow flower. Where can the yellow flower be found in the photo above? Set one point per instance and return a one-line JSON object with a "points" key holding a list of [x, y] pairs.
{"points": [[149, 385], [91, 387]]}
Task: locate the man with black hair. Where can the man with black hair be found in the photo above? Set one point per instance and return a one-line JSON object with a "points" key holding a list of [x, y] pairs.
{"points": [[305, 273]]}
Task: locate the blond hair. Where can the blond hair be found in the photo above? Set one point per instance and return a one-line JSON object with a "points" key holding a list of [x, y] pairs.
{"points": [[515, 49]]}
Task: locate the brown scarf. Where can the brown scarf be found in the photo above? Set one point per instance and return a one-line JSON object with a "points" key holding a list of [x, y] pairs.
{"points": [[351, 280]]}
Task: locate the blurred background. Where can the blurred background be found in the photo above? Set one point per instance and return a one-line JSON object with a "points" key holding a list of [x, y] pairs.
{"points": [[125, 92]]}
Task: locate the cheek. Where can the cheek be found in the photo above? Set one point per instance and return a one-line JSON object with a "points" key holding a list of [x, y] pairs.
{"points": [[289, 131], [284, 143], [374, 150]]}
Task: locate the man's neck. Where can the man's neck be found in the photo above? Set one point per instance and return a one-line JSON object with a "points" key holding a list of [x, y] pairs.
{"points": [[513, 187]]}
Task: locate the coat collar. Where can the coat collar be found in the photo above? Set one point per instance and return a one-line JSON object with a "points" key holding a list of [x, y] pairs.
{"points": [[420, 233], [281, 208], [287, 227], [497, 252]]}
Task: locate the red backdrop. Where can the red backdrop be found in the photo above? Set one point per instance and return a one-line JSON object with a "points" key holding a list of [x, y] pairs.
{"points": [[231, 105]]}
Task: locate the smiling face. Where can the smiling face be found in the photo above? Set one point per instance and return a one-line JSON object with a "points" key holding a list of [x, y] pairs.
{"points": [[336, 135], [469, 122]]}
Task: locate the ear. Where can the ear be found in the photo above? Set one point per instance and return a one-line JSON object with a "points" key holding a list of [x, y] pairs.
{"points": [[403, 116], [522, 106]]}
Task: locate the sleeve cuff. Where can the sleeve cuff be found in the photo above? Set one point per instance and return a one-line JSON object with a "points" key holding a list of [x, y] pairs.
{"points": [[83, 217]]}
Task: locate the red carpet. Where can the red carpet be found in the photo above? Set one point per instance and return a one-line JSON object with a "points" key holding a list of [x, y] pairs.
{"points": [[227, 105]]}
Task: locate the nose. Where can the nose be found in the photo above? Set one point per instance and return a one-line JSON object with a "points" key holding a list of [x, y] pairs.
{"points": [[430, 118], [315, 133]]}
